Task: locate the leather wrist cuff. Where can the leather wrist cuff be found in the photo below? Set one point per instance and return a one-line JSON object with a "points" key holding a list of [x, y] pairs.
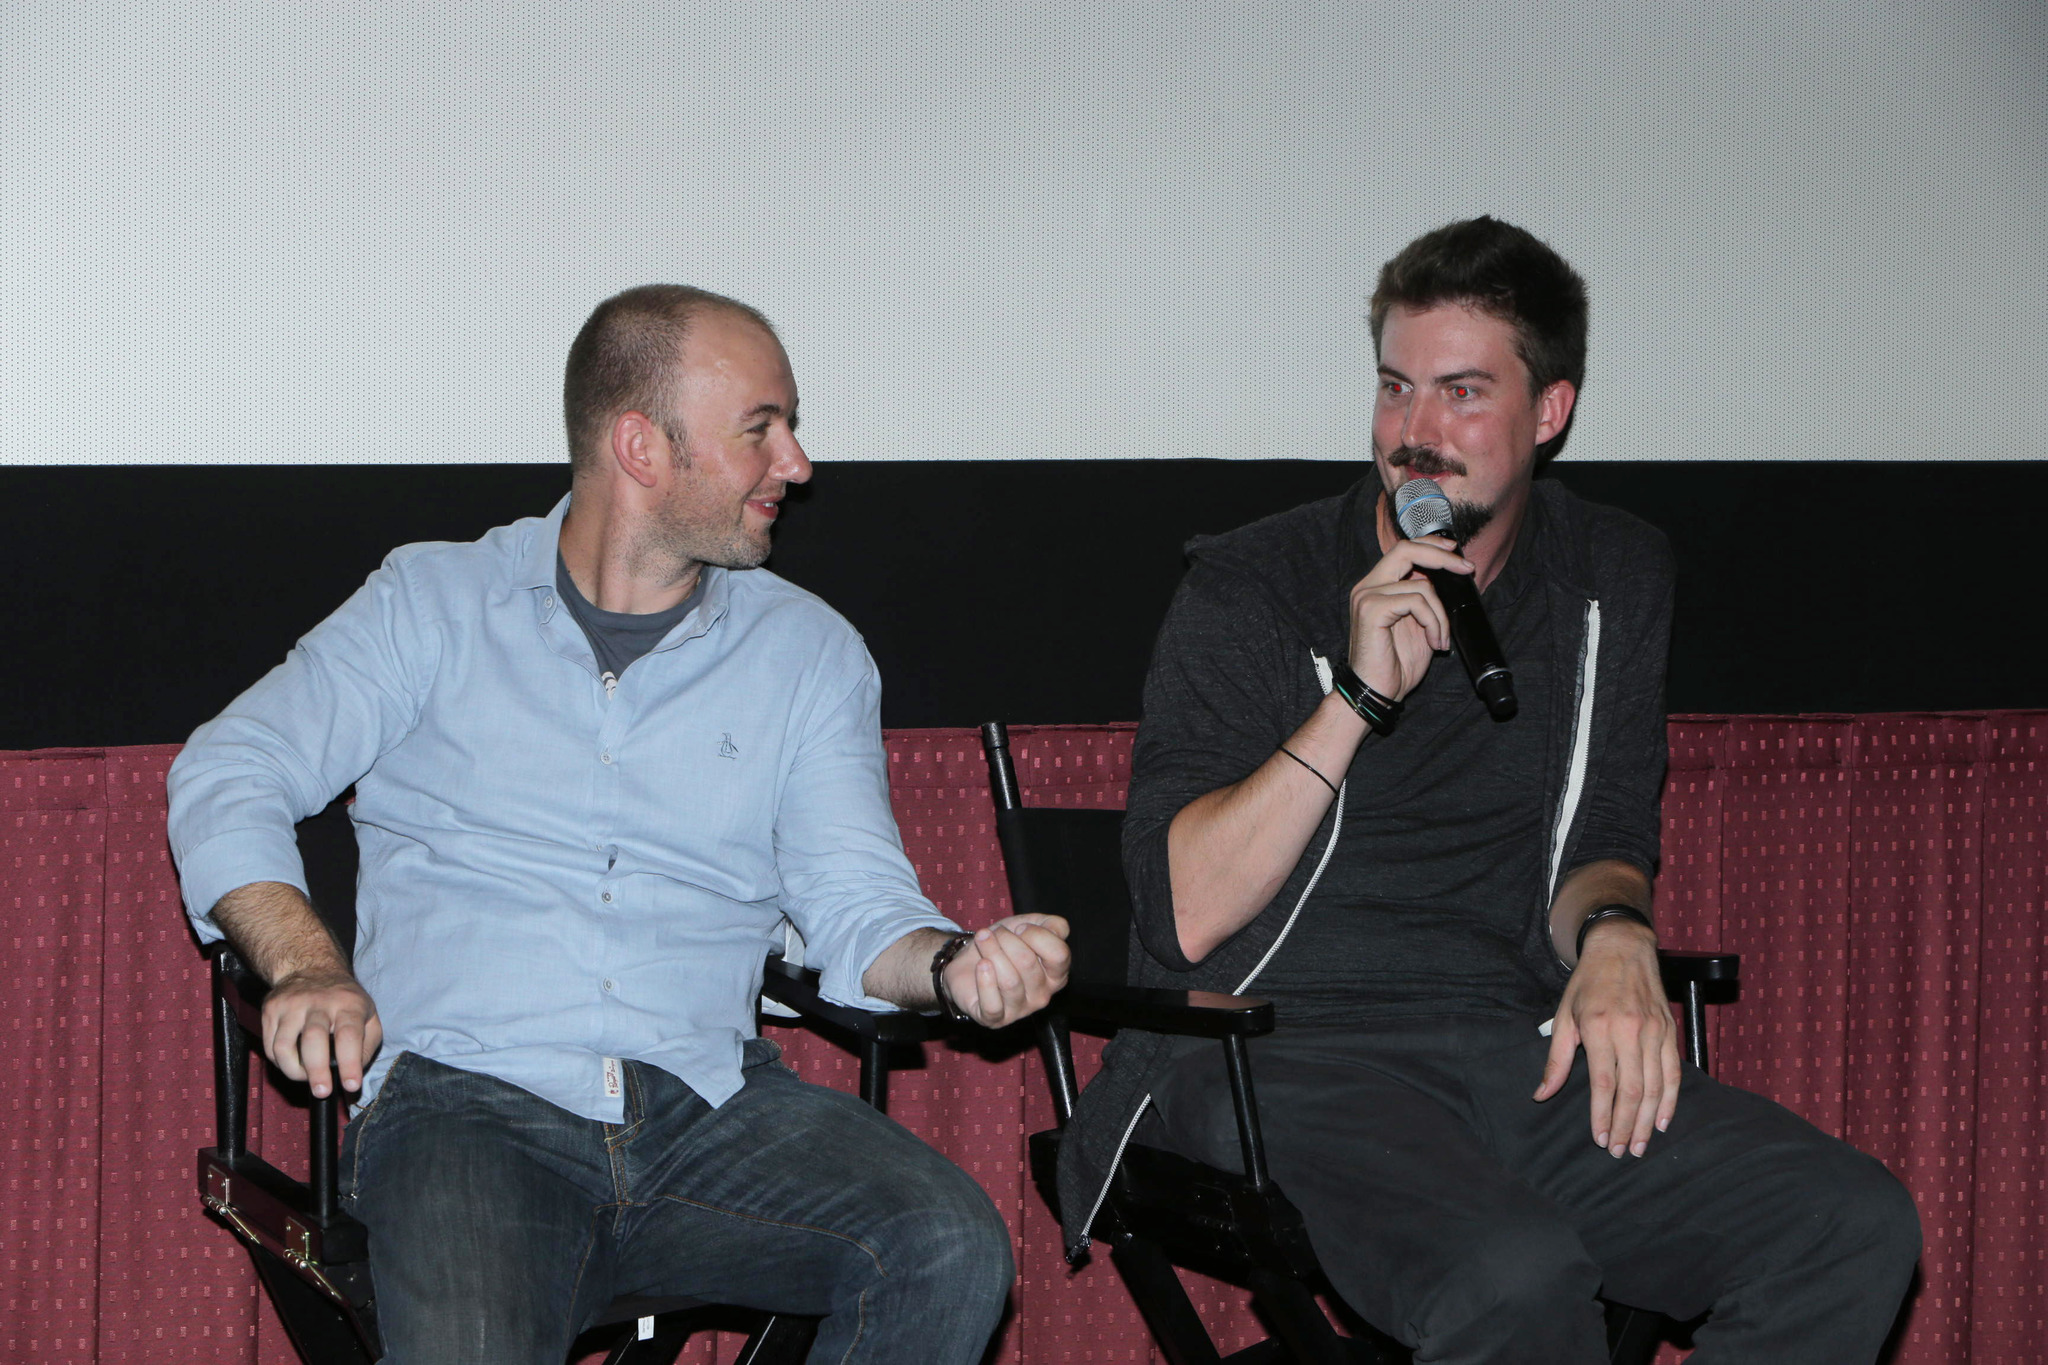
{"points": [[1615, 911], [949, 950], [1376, 709]]}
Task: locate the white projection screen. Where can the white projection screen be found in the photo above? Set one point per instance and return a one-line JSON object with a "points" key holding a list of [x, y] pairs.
{"points": [[240, 232]]}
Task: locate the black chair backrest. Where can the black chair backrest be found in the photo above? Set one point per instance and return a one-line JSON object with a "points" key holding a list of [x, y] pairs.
{"points": [[1066, 862], [327, 846]]}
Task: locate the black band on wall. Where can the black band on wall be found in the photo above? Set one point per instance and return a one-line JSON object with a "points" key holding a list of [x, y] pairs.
{"points": [[146, 597]]}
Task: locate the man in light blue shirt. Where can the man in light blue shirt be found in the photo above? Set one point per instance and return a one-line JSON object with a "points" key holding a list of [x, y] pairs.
{"points": [[599, 757]]}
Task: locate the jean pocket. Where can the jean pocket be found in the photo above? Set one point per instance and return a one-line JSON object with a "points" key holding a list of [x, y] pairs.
{"points": [[356, 1135]]}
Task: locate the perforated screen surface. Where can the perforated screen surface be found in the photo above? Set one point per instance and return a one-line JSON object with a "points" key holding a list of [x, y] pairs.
{"points": [[251, 233]]}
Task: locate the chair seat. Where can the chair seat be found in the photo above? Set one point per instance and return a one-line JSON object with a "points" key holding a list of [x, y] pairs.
{"points": [[1204, 1217]]}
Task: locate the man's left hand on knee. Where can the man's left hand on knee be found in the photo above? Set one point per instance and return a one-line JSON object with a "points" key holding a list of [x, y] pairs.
{"points": [[1614, 1007]]}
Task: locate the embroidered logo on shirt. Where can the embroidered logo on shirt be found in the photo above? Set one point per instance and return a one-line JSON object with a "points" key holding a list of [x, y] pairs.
{"points": [[612, 1088], [726, 748]]}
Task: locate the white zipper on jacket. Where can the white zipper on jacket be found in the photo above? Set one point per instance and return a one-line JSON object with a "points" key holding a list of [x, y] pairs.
{"points": [[1582, 743], [1109, 1177], [1323, 676]]}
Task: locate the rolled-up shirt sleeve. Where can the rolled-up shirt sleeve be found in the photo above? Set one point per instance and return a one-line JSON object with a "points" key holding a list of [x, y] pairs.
{"points": [[292, 742], [847, 884]]}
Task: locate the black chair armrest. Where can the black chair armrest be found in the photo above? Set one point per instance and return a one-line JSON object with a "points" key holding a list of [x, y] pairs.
{"points": [[797, 988], [243, 990], [1693, 978], [1186, 1014], [1681, 966]]}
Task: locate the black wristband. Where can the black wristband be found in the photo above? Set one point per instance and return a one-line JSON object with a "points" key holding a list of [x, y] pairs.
{"points": [[947, 951], [1614, 911], [1379, 711], [1318, 772]]}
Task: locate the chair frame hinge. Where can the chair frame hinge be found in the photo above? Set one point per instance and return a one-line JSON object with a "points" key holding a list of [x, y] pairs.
{"points": [[220, 1191], [298, 1245]]}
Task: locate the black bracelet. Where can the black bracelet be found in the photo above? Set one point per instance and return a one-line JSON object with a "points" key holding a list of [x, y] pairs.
{"points": [[1311, 767], [949, 950], [1614, 911], [1379, 711]]}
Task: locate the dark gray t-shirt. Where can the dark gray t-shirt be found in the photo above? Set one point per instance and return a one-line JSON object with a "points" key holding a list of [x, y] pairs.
{"points": [[1425, 905], [618, 638]]}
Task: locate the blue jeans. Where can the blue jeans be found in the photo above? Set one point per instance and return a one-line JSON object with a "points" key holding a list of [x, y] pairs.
{"points": [[500, 1223]]}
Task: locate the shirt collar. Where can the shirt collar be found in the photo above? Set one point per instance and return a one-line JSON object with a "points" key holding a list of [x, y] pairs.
{"points": [[536, 568]]}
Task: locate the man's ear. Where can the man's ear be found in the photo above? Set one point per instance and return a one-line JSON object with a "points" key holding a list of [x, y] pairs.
{"points": [[639, 447], [1554, 408]]}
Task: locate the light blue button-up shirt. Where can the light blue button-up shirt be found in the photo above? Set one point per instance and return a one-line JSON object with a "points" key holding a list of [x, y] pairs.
{"points": [[554, 878]]}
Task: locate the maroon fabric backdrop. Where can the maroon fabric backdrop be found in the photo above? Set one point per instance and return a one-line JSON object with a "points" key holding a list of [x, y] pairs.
{"points": [[1881, 875]]}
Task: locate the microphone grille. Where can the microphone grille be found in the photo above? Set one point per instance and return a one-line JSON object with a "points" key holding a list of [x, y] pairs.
{"points": [[1422, 509]]}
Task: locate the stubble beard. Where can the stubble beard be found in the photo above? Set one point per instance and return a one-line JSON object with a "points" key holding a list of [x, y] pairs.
{"points": [[684, 534], [727, 546]]}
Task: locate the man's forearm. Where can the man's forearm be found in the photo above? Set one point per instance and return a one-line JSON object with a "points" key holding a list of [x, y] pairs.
{"points": [[902, 974], [1229, 852], [1608, 881], [318, 1023], [276, 930]]}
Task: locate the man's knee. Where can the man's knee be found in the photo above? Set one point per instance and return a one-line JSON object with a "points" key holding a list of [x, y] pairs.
{"points": [[1871, 1213], [958, 1240], [1830, 1203]]}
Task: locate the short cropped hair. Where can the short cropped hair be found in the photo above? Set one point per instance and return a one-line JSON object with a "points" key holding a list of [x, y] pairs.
{"points": [[625, 360], [1508, 273]]}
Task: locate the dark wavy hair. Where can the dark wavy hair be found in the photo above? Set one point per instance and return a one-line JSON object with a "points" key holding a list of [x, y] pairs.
{"points": [[1508, 273]]}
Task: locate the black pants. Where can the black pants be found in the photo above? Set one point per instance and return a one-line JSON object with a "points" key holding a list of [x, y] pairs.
{"points": [[1455, 1213]]}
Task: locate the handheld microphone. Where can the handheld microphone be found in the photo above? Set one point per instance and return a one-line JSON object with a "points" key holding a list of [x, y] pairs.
{"points": [[1423, 510]]}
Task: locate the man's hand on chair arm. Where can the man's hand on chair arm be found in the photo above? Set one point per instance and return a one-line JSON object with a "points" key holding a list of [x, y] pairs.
{"points": [[1006, 972], [316, 1019], [1614, 1007]]}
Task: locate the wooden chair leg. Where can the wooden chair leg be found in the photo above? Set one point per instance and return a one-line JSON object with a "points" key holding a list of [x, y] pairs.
{"points": [[671, 1331], [320, 1332], [1163, 1301], [782, 1340], [1299, 1319], [1632, 1334]]}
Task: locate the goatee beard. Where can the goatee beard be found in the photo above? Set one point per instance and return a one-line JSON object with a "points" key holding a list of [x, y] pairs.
{"points": [[1468, 519]]}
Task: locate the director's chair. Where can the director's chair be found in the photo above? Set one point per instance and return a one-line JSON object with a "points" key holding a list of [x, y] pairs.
{"points": [[1163, 1210], [314, 1259]]}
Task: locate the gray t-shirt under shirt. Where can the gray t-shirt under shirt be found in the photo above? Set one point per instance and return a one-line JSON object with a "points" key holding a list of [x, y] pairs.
{"points": [[618, 638]]}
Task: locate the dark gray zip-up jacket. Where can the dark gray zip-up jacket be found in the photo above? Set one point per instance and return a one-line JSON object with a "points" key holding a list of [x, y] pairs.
{"points": [[1265, 603]]}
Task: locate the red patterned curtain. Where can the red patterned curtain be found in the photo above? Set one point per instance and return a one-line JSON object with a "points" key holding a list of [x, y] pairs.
{"points": [[1882, 876]]}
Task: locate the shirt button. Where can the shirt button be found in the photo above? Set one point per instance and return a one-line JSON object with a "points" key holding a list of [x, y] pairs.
{"points": [[607, 983], [547, 604], [605, 757], [607, 898]]}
